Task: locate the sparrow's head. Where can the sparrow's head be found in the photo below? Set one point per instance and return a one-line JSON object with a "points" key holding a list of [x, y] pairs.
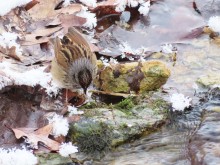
{"points": [[81, 74]]}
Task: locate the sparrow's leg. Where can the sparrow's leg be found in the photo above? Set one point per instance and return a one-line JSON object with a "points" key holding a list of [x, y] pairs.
{"points": [[66, 96], [65, 108]]}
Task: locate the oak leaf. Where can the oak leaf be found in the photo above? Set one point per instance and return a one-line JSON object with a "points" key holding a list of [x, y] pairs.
{"points": [[39, 36], [40, 135]]}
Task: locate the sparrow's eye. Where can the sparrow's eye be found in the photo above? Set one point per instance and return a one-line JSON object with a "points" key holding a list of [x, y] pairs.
{"points": [[65, 40]]}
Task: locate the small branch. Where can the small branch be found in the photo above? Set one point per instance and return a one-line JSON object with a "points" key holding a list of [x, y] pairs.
{"points": [[113, 94]]}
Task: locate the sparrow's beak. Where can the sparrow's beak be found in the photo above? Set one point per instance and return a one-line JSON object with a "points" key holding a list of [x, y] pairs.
{"points": [[85, 90]]}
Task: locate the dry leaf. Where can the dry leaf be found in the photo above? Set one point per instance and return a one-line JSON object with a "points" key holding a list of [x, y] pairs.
{"points": [[44, 9], [70, 20], [35, 136], [74, 98], [39, 36], [70, 9], [31, 4], [195, 33], [10, 52], [47, 9], [107, 3], [54, 22], [2, 73], [73, 118]]}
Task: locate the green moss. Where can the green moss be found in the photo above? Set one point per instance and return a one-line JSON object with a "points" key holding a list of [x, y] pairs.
{"points": [[89, 105], [92, 137], [123, 125], [159, 105], [92, 112], [117, 85], [52, 158], [125, 105], [93, 105], [140, 107]]}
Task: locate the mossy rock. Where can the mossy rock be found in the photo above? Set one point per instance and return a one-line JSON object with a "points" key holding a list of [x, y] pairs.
{"points": [[125, 105], [106, 127], [53, 159], [92, 137], [138, 77], [209, 80]]}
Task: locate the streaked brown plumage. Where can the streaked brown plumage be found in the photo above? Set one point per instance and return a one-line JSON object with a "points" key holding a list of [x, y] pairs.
{"points": [[74, 65]]}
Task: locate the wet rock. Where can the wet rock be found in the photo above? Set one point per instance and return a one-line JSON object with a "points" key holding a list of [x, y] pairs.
{"points": [[191, 58], [135, 77], [105, 128], [92, 136], [210, 80], [204, 144], [53, 158]]}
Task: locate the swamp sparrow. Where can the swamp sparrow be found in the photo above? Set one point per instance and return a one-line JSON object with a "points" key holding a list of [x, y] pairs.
{"points": [[74, 66]]}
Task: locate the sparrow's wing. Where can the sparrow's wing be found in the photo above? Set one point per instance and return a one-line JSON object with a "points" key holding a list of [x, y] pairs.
{"points": [[61, 53], [72, 47], [76, 37]]}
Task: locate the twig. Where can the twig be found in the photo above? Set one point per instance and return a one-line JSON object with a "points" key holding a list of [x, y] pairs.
{"points": [[113, 94]]}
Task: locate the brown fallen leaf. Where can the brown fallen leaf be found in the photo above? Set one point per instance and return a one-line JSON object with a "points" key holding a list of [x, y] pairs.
{"points": [[70, 9], [75, 98], [47, 9], [60, 139], [31, 4], [53, 22], [105, 9], [1, 58], [44, 9], [70, 20], [194, 33], [40, 135], [39, 36], [107, 3], [73, 118], [2, 73], [66, 21], [10, 52]]}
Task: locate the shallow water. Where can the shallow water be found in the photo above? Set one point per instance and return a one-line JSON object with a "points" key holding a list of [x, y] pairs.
{"points": [[167, 146], [191, 137]]}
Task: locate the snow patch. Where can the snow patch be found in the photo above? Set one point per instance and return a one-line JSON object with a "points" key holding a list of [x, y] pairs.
{"points": [[124, 47], [214, 23], [167, 48], [67, 148], [143, 9], [73, 111], [8, 40], [91, 3], [91, 20], [17, 157], [105, 61], [60, 125], [8, 5], [33, 77], [180, 102]]}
